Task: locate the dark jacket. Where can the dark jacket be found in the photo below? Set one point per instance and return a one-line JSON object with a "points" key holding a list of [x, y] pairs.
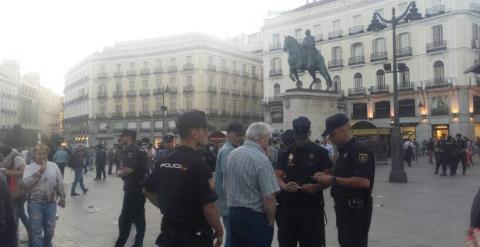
{"points": [[101, 157], [475, 213], [8, 234], [77, 160]]}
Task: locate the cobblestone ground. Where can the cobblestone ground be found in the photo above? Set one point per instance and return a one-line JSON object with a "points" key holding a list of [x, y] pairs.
{"points": [[429, 211]]}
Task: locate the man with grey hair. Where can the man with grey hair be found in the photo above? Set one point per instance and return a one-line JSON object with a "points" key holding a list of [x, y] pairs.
{"points": [[250, 186]]}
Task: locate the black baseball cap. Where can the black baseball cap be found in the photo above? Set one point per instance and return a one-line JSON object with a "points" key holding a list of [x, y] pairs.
{"points": [[301, 127], [192, 119], [287, 137], [334, 122], [236, 128], [127, 132], [168, 138]]}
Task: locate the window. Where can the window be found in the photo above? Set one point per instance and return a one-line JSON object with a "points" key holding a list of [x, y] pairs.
{"points": [[173, 104], [234, 66], [405, 78], [103, 67], [159, 103], [145, 84], [276, 116], [357, 79], [357, 20], [172, 82], [188, 103], [404, 40], [357, 50], [382, 109], [381, 79], [234, 106], [337, 83], [439, 71], [131, 105], [131, 84], [188, 80], [145, 105], [145, 125], [224, 105], [337, 53], [159, 63], [102, 88], [119, 67], [437, 35], [188, 60], [224, 83], [298, 33], [244, 68], [275, 39], [476, 104], [336, 25], [475, 32], [132, 125], [276, 89], [211, 103], [118, 86], [173, 61], [224, 64], [158, 124], [275, 64], [379, 45], [211, 81], [406, 108], [103, 107], [254, 89], [118, 106], [359, 111]]}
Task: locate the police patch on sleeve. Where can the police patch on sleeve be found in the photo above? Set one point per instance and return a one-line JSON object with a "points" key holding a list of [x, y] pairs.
{"points": [[362, 158]]}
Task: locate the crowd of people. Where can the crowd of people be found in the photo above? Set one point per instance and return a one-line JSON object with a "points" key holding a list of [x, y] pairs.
{"points": [[229, 194]]}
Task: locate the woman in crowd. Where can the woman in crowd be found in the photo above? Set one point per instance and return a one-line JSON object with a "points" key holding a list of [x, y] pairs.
{"points": [[44, 185]]}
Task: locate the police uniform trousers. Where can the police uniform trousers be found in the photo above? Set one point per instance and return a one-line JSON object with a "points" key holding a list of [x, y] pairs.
{"points": [[353, 222], [301, 223], [133, 212], [171, 237]]}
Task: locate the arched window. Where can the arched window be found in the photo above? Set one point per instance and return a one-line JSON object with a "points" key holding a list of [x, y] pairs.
{"points": [[439, 71], [358, 82], [405, 79], [276, 89], [337, 83], [381, 79]]}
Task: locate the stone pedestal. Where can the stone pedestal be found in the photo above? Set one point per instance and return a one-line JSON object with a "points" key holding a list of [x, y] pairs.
{"points": [[316, 105]]}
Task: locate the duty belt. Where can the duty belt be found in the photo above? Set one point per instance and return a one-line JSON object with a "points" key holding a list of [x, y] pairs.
{"points": [[354, 202]]}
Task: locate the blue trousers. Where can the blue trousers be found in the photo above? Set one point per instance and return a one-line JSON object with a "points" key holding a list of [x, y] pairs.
{"points": [[249, 228], [78, 179], [42, 220], [226, 223]]}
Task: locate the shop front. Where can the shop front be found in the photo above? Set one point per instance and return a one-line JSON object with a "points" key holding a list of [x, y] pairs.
{"points": [[377, 139], [439, 130]]}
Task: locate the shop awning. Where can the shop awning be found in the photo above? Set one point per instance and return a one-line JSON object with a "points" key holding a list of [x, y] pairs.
{"points": [[217, 136]]}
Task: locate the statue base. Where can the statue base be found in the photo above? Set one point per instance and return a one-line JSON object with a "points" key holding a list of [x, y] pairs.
{"points": [[316, 105]]}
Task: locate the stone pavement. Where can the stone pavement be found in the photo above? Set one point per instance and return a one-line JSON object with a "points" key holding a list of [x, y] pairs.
{"points": [[429, 211]]}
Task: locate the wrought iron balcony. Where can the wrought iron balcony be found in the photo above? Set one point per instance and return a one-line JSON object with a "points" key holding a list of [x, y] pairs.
{"points": [[188, 67], [275, 72], [379, 89], [404, 52], [224, 91], [158, 113], [357, 91], [172, 69], [235, 72], [439, 82], [102, 75], [475, 43], [235, 92], [131, 115], [212, 89], [437, 10], [355, 30], [224, 70], [117, 94], [132, 93], [335, 34], [406, 86], [145, 92], [144, 114], [117, 115], [437, 46], [318, 37], [356, 60], [118, 74], [101, 115], [145, 71], [275, 46], [158, 70], [172, 90], [378, 56], [188, 88], [102, 95], [211, 67], [337, 63], [131, 73]]}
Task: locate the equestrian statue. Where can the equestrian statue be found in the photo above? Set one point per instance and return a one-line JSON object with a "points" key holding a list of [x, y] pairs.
{"points": [[305, 57]]}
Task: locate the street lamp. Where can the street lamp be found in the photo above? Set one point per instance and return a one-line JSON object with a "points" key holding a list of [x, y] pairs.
{"points": [[397, 174]]}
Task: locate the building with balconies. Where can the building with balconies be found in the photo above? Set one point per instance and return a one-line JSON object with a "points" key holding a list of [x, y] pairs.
{"points": [[106, 93], [435, 96]]}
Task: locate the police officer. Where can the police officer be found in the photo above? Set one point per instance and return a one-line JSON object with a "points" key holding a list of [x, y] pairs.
{"points": [[300, 213], [352, 183], [181, 187], [134, 161], [450, 157]]}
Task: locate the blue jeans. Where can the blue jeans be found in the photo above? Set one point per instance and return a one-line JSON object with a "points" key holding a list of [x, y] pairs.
{"points": [[226, 223], [249, 228], [42, 219], [78, 179]]}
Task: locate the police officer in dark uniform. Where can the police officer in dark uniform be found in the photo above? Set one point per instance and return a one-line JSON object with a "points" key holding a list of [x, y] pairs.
{"points": [[352, 183], [450, 157], [300, 212], [134, 161], [181, 187]]}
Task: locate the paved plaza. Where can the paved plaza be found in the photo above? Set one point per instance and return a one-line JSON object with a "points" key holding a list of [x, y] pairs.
{"points": [[429, 211]]}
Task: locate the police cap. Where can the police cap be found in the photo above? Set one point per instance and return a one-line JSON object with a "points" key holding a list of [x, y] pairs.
{"points": [[301, 127], [168, 138], [236, 128], [131, 133], [287, 137], [334, 122], [192, 119]]}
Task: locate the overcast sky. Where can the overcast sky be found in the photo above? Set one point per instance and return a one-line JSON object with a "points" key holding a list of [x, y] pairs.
{"points": [[50, 36]]}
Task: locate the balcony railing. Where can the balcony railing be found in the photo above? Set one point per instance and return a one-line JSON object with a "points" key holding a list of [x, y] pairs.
{"points": [[224, 70], [101, 115], [356, 60], [378, 56], [212, 89], [437, 10], [172, 69], [275, 46], [357, 91], [132, 93], [102, 95], [254, 76], [335, 34], [172, 90], [438, 82], [102, 75], [117, 114], [245, 74], [117, 94], [157, 113], [117, 74], [188, 67], [145, 71], [224, 91], [145, 92], [131, 115], [355, 30], [144, 114], [338, 63], [235, 72], [275, 72], [379, 89], [404, 52], [158, 70], [211, 67], [318, 37], [235, 92], [475, 7], [271, 100], [158, 91], [188, 88], [437, 46], [131, 73], [475, 43], [406, 86]]}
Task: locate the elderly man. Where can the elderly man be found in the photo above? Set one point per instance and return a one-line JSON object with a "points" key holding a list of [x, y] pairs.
{"points": [[250, 186]]}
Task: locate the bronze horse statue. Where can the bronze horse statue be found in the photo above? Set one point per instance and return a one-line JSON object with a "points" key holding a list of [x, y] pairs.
{"points": [[297, 60]]}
